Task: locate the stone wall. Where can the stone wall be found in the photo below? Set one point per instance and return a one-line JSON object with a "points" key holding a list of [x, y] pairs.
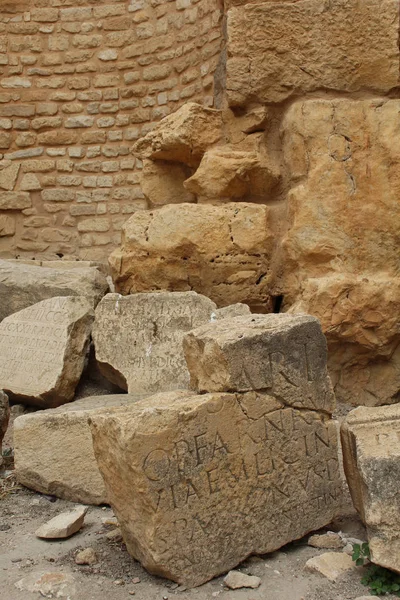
{"points": [[80, 81]]}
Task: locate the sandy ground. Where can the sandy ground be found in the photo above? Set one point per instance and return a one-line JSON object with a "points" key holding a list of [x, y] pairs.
{"points": [[117, 576]]}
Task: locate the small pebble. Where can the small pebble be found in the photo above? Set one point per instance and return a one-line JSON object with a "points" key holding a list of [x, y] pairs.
{"points": [[119, 582], [136, 580], [131, 593]]}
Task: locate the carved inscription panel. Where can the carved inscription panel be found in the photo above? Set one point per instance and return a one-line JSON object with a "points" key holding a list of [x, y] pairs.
{"points": [[222, 476], [138, 338], [34, 343]]}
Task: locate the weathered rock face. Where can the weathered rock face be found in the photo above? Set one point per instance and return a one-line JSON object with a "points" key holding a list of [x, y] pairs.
{"points": [[183, 136], [43, 349], [278, 49], [162, 182], [203, 482], [371, 450], [63, 466], [284, 356], [360, 318], [233, 310], [138, 338], [339, 265], [219, 251], [4, 418], [23, 285]]}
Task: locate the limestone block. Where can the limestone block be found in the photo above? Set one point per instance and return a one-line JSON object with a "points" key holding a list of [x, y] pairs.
{"points": [[221, 251], [15, 200], [226, 356], [43, 349], [23, 285], [4, 418], [63, 525], [232, 174], [162, 182], [7, 226], [138, 338], [359, 316], [371, 452], [296, 48], [8, 176], [332, 565], [65, 465], [233, 310], [198, 483], [183, 136]]}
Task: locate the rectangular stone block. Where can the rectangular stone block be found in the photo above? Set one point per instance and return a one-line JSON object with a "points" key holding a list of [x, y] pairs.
{"points": [[341, 45], [198, 483], [65, 465], [138, 338], [15, 200], [283, 355], [371, 453]]}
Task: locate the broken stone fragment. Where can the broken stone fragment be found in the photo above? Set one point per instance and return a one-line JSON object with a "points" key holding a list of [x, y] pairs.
{"points": [[228, 174], [43, 349], [200, 482], [22, 285], [64, 525], [236, 580], [371, 452], [226, 356], [221, 251], [86, 557], [330, 541], [138, 338], [65, 465], [183, 136], [331, 565]]}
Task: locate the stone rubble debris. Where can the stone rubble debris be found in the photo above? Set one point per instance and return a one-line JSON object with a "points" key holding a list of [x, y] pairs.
{"points": [[331, 565], [63, 525]]}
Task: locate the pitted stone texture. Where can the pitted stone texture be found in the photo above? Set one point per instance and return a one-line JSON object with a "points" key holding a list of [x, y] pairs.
{"points": [[233, 310], [371, 452], [4, 418], [183, 136], [200, 482], [276, 50], [283, 355], [162, 182], [359, 316], [63, 466], [227, 174], [344, 160], [138, 338], [22, 285], [222, 252], [43, 349]]}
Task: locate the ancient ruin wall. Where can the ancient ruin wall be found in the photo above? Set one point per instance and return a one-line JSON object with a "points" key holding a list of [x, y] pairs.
{"points": [[80, 81]]}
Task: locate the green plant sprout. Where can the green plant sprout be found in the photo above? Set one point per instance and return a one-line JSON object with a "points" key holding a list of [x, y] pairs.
{"points": [[380, 581]]}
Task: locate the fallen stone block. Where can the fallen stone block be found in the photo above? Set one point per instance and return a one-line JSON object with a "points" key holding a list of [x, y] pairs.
{"points": [[22, 285], [64, 525], [43, 349], [371, 451], [183, 136], [220, 251], [138, 338], [200, 482], [331, 565], [63, 466], [281, 355]]}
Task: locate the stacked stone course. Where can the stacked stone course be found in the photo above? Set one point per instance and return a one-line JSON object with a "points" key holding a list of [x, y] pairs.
{"points": [[80, 81]]}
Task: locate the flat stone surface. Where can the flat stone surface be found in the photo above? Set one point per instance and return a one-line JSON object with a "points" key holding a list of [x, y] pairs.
{"points": [[233, 310], [43, 349], [371, 452], [53, 584], [278, 49], [64, 525], [65, 465], [14, 200], [331, 565], [22, 285], [138, 338], [283, 355], [198, 483]]}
